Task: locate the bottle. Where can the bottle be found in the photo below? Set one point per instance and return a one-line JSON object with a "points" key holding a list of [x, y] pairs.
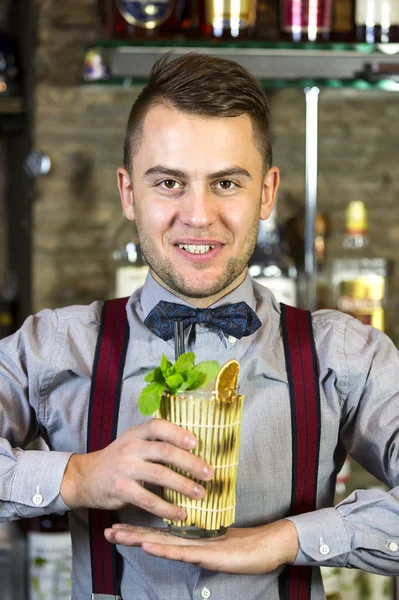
{"points": [[229, 19], [359, 280], [377, 21], [270, 264], [331, 582], [306, 20], [12, 561], [49, 552], [267, 29], [130, 268], [143, 20], [49, 558], [343, 21], [294, 229]]}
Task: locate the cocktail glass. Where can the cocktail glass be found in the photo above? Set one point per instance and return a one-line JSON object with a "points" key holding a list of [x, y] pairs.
{"points": [[215, 419]]}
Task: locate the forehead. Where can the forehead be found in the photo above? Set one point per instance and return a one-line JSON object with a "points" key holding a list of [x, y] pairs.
{"points": [[183, 139]]}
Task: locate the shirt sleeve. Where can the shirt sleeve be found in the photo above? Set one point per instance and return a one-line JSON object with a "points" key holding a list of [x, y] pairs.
{"points": [[363, 530], [30, 481]]}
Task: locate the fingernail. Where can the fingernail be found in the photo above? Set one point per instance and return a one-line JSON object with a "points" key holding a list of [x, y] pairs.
{"points": [[181, 515], [208, 471], [121, 534], [190, 442], [199, 491]]}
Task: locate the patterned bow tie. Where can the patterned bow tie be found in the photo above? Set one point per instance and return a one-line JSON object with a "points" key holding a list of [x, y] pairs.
{"points": [[233, 319]]}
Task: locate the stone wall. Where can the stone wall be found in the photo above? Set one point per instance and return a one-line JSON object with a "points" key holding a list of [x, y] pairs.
{"points": [[81, 127]]}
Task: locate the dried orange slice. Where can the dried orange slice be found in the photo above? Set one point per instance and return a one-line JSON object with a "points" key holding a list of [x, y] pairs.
{"points": [[227, 378]]}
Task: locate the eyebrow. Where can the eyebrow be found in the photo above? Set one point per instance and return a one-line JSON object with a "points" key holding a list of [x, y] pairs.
{"points": [[165, 170]]}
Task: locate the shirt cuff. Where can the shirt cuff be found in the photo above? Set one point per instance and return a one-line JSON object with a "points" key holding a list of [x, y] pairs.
{"points": [[37, 483], [322, 536]]}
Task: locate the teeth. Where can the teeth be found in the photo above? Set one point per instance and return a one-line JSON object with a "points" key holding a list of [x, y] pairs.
{"points": [[195, 248]]}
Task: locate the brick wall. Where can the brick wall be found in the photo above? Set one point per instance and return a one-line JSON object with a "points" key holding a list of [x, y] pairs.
{"points": [[2, 217], [82, 128]]}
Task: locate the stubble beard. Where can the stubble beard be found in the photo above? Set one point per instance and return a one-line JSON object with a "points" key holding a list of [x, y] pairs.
{"points": [[169, 275]]}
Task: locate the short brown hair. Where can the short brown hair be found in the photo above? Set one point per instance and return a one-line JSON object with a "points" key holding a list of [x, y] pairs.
{"points": [[201, 85]]}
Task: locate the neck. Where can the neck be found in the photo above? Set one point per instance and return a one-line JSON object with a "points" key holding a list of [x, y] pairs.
{"points": [[209, 300]]}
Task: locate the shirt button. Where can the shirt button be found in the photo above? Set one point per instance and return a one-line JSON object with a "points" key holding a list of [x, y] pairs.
{"points": [[232, 339], [393, 546], [37, 499], [324, 549], [205, 593]]}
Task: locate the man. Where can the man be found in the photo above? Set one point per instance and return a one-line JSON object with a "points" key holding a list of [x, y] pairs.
{"points": [[197, 178]]}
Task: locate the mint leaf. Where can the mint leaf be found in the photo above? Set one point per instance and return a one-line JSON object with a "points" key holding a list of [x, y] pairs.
{"points": [[210, 369], [174, 382], [185, 362], [183, 375], [198, 381], [150, 398], [165, 365], [170, 371], [191, 376], [155, 375]]}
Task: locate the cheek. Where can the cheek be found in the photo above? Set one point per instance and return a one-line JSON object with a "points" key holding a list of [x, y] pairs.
{"points": [[158, 217], [239, 218]]}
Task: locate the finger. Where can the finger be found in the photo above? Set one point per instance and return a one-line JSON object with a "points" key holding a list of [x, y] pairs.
{"points": [[189, 554], [159, 429], [129, 535], [132, 535], [162, 476], [146, 500], [163, 452]]}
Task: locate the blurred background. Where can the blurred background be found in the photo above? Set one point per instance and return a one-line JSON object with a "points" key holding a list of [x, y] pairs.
{"points": [[69, 73]]}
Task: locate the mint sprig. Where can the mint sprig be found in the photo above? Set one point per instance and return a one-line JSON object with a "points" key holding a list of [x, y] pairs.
{"points": [[172, 378]]}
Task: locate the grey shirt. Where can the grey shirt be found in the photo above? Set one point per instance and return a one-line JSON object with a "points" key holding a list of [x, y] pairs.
{"points": [[45, 377]]}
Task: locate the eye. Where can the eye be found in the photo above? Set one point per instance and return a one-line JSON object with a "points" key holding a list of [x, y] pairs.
{"points": [[227, 184], [170, 184]]}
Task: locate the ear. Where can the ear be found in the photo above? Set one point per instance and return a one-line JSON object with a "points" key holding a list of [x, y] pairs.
{"points": [[269, 191], [126, 193]]}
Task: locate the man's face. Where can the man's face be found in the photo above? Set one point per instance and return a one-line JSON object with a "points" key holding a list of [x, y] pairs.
{"points": [[197, 194]]}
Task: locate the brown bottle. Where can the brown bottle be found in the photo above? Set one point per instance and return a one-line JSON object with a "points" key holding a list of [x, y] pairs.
{"points": [[343, 21], [228, 19], [144, 20], [267, 29]]}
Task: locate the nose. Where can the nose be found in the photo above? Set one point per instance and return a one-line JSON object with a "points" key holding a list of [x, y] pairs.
{"points": [[199, 208]]}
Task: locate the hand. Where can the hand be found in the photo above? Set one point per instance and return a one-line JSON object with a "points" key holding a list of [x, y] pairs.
{"points": [[250, 551], [115, 476]]}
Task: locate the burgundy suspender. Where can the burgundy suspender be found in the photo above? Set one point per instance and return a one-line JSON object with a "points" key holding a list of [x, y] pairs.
{"points": [[302, 371], [109, 360]]}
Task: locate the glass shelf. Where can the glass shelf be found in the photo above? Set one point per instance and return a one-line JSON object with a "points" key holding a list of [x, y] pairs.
{"points": [[275, 65], [359, 84], [247, 45]]}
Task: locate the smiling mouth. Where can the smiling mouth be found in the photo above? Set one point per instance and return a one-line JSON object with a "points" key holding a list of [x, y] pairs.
{"points": [[196, 248]]}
